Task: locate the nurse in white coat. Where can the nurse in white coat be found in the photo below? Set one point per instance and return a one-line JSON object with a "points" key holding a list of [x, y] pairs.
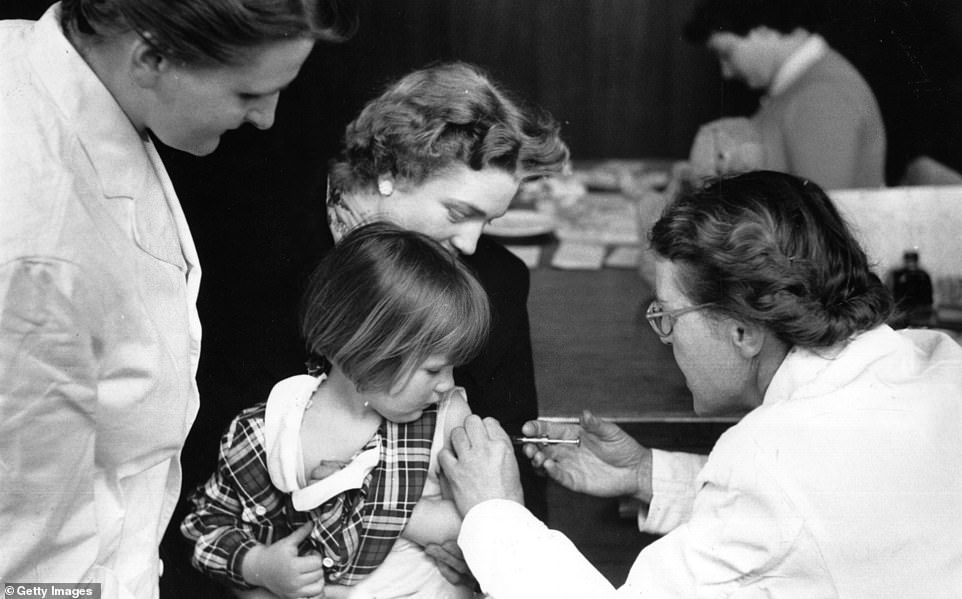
{"points": [[841, 481], [99, 335]]}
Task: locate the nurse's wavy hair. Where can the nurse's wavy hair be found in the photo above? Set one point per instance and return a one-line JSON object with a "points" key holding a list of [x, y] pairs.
{"points": [[207, 33], [384, 300], [444, 115], [771, 248]]}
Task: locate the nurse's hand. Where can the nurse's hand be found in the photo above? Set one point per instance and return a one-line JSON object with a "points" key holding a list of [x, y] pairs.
{"points": [[480, 465], [607, 462]]}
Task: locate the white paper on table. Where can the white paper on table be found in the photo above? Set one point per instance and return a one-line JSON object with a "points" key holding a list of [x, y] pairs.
{"points": [[605, 218], [529, 254], [578, 256], [624, 256]]}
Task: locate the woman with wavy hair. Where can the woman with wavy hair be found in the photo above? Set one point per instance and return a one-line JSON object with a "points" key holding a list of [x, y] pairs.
{"points": [[842, 478]]}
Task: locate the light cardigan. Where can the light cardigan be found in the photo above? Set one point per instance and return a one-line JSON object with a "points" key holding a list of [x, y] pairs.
{"points": [[845, 482], [820, 121], [99, 334]]}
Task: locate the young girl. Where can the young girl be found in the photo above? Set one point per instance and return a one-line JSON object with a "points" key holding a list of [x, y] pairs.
{"points": [[332, 485]]}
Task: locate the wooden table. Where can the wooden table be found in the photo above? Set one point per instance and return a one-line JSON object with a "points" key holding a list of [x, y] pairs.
{"points": [[594, 349]]}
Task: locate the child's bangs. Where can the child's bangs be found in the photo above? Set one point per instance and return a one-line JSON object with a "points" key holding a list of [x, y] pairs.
{"points": [[458, 328], [454, 325]]}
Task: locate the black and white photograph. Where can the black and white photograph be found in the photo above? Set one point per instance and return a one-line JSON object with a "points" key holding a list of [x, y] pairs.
{"points": [[480, 299]]}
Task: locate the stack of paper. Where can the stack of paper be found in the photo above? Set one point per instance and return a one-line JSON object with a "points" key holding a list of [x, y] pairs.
{"points": [[574, 255]]}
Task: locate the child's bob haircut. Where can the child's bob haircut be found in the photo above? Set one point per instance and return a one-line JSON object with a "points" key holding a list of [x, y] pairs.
{"points": [[385, 299]]}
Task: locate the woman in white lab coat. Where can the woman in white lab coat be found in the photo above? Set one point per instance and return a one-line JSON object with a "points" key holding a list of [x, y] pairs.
{"points": [[99, 335], [841, 481]]}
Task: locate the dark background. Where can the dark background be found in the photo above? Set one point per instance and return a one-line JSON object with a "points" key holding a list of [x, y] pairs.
{"points": [[615, 73]]}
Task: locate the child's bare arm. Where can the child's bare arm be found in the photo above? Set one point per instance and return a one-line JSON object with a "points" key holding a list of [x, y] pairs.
{"points": [[436, 519]]}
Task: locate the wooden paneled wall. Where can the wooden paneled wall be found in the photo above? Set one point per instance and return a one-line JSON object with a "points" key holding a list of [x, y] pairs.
{"points": [[616, 73]]}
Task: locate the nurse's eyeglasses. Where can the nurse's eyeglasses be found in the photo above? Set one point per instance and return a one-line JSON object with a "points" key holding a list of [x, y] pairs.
{"points": [[663, 321]]}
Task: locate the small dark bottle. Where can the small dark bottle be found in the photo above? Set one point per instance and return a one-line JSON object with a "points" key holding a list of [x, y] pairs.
{"points": [[912, 288]]}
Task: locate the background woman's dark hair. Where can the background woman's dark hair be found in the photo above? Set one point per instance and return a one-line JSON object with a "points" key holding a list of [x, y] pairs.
{"points": [[772, 248], [385, 299], [741, 16], [210, 32], [442, 115]]}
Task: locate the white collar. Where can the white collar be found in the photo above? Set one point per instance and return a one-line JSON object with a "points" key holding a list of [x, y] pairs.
{"points": [[811, 372], [282, 441], [117, 151], [810, 52]]}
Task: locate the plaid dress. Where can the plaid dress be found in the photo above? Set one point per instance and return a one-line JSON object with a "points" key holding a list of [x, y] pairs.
{"points": [[239, 507]]}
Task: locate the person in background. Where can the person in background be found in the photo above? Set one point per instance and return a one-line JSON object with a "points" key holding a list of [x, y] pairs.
{"points": [[818, 119], [841, 480], [726, 146], [99, 334], [351, 451]]}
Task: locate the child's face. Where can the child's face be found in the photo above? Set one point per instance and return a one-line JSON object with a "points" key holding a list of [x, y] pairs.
{"points": [[406, 401]]}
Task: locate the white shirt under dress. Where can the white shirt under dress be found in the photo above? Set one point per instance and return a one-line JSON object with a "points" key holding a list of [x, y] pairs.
{"points": [[407, 571]]}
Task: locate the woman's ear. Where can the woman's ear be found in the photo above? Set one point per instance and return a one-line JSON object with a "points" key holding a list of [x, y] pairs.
{"points": [[146, 63], [748, 338]]}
